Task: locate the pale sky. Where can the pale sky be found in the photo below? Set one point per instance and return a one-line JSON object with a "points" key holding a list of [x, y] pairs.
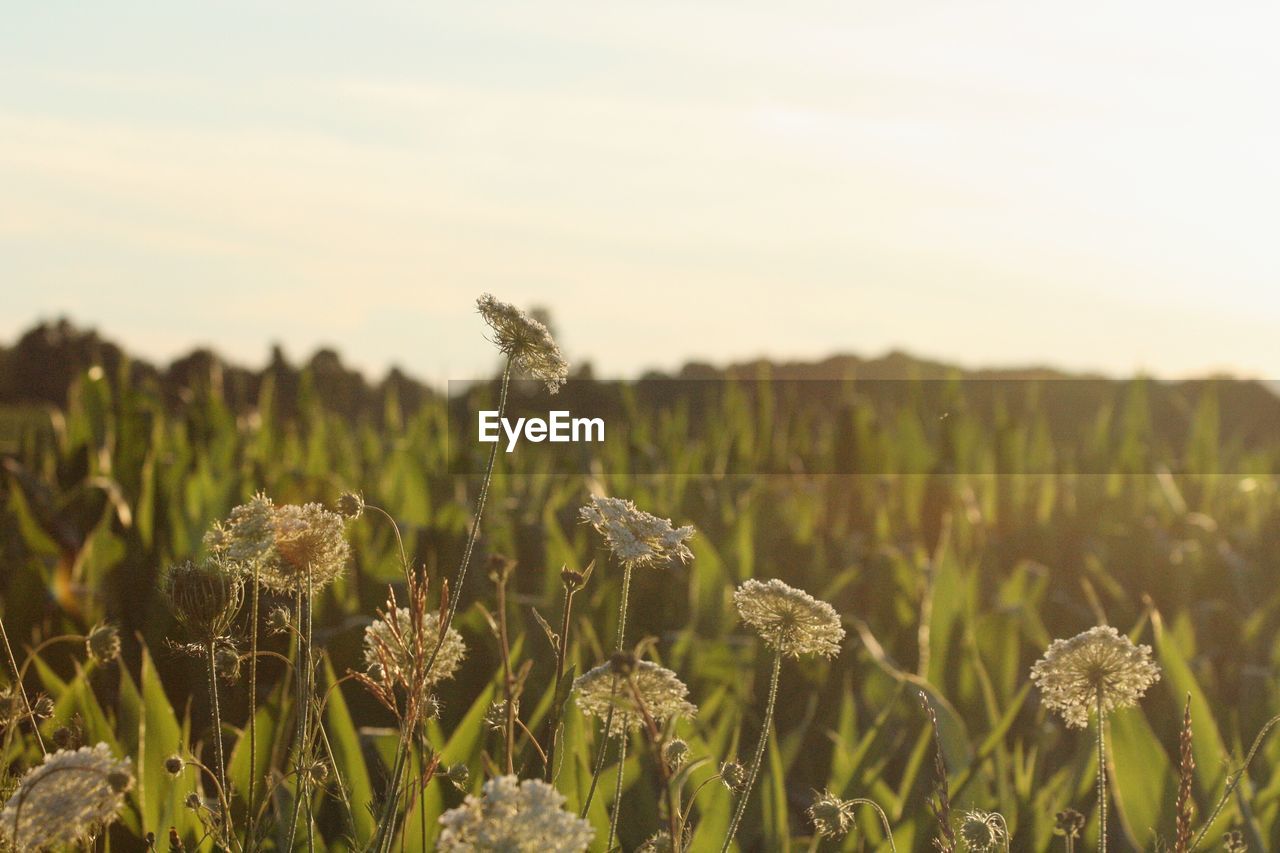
{"points": [[1092, 185]]}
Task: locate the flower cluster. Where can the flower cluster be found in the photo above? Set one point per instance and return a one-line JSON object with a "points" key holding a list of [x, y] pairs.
{"points": [[788, 619], [204, 596], [659, 689], [517, 816], [1098, 666], [294, 547], [525, 340], [71, 796], [635, 537], [982, 832], [392, 643]]}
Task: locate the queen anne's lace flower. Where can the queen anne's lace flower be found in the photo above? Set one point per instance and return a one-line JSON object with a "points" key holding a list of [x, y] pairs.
{"points": [[525, 340], [396, 650], [514, 817], [635, 537], [293, 546], [830, 815], [660, 689], [788, 619], [70, 797], [1100, 662], [204, 596]]}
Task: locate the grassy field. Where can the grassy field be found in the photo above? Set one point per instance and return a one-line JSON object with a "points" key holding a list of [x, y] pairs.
{"points": [[961, 550]]}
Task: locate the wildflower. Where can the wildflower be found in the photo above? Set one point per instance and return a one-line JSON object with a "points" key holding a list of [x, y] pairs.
{"points": [[42, 708], [525, 340], [193, 801], [1098, 666], [66, 799], [733, 775], [982, 831], [831, 816], [1068, 822], [789, 620], [675, 752], [396, 650], [659, 689], [174, 765], [294, 547], [103, 643], [517, 816], [635, 537], [351, 505], [204, 596]]}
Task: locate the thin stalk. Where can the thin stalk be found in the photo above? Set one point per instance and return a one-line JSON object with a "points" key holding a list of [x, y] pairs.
{"points": [[250, 819], [561, 654], [884, 819], [608, 718], [215, 714], [508, 680], [617, 787], [1102, 777], [674, 827], [386, 822], [758, 758], [1234, 780], [302, 703], [22, 691], [460, 578]]}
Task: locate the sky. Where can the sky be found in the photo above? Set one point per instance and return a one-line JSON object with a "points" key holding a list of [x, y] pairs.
{"points": [[1088, 185]]}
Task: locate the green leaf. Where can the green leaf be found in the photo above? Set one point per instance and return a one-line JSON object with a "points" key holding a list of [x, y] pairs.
{"points": [[1144, 784]]}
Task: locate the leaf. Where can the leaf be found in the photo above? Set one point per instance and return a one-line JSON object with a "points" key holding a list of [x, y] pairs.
{"points": [[1144, 784]]}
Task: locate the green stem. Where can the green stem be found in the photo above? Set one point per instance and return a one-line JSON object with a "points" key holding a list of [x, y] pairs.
{"points": [[22, 691], [553, 735], [758, 758], [608, 718], [215, 714], [1102, 777], [250, 820], [884, 819], [617, 788]]}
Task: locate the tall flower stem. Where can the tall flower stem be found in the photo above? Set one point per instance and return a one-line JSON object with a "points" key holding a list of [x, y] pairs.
{"points": [[617, 787], [562, 651], [1102, 777], [250, 819], [302, 606], [608, 720], [455, 593], [758, 758], [215, 715], [22, 691]]}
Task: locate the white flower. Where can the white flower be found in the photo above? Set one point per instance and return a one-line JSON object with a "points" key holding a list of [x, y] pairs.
{"points": [[68, 798], [396, 648], [1100, 663], [293, 546], [788, 619], [512, 816], [635, 537], [660, 689], [525, 340]]}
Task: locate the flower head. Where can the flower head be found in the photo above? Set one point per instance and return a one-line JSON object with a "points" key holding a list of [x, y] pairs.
{"points": [[525, 340], [1100, 665], [205, 596], [733, 775], [402, 652], [68, 798], [831, 816], [294, 547], [103, 643], [515, 816], [788, 619], [660, 690], [1069, 823], [982, 831], [635, 537]]}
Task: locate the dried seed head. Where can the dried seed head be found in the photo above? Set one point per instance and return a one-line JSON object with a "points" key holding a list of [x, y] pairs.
{"points": [[635, 537], [573, 581], [1098, 665], [174, 765], [351, 505], [71, 735], [675, 752], [788, 619], [103, 643], [226, 661], [204, 596], [659, 689], [527, 341], [660, 842], [279, 620], [459, 775], [733, 775], [66, 798], [495, 718], [192, 801], [514, 815], [1069, 822], [982, 831], [42, 707], [830, 815]]}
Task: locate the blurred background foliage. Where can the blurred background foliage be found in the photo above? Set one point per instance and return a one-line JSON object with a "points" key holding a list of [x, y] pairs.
{"points": [[1151, 506]]}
